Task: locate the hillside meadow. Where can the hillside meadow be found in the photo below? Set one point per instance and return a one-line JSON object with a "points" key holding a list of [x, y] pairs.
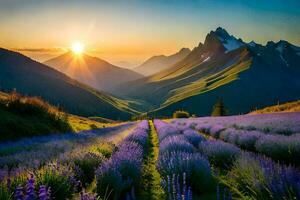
{"points": [[23, 116]]}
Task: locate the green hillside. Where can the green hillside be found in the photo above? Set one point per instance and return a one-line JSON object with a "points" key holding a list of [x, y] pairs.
{"points": [[31, 116], [190, 81], [261, 85], [214, 76]]}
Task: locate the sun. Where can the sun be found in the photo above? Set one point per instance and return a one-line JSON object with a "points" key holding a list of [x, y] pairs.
{"points": [[77, 48]]}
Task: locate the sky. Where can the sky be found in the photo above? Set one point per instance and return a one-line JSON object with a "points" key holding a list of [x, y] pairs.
{"points": [[128, 32]]}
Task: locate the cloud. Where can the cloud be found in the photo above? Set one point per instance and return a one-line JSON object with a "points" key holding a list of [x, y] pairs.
{"points": [[40, 50]]}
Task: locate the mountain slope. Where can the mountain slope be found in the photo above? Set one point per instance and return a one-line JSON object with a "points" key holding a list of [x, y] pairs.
{"points": [[159, 63], [244, 75], [92, 71], [31, 78], [293, 106]]}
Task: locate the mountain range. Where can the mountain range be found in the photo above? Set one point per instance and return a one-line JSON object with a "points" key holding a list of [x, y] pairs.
{"points": [[35, 79], [158, 63], [245, 75], [92, 71]]}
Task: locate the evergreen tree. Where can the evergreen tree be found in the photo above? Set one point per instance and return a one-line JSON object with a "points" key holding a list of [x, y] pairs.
{"points": [[219, 108]]}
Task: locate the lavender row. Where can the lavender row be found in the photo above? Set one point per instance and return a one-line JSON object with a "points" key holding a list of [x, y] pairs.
{"points": [[119, 177], [220, 154], [183, 170], [33, 153], [276, 123], [278, 147]]}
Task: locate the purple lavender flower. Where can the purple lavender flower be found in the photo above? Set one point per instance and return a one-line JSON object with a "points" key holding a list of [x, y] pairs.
{"points": [[164, 129], [229, 135], [44, 193], [247, 139], [178, 160], [175, 192], [195, 168], [138, 136], [121, 173], [19, 193], [140, 133], [205, 128], [279, 147], [32, 153], [278, 123], [215, 130], [30, 193], [176, 143], [88, 196], [219, 153], [193, 137]]}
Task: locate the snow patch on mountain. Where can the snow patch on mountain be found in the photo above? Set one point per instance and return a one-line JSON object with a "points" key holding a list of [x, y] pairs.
{"points": [[280, 48], [206, 59], [228, 41], [231, 44], [252, 44]]}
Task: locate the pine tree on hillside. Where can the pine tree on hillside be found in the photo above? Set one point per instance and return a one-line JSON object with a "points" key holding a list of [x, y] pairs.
{"points": [[219, 108]]}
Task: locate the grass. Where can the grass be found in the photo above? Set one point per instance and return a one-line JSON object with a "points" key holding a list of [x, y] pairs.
{"points": [[151, 180], [11, 150], [82, 123], [120, 104], [293, 106], [102, 120]]}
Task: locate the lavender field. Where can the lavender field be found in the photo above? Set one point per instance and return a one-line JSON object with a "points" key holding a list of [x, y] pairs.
{"points": [[236, 157], [149, 100]]}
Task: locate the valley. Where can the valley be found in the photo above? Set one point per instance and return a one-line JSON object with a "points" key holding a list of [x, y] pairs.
{"points": [[191, 80], [149, 100]]}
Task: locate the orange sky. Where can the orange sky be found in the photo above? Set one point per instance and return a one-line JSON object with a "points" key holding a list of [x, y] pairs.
{"points": [[130, 32]]}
